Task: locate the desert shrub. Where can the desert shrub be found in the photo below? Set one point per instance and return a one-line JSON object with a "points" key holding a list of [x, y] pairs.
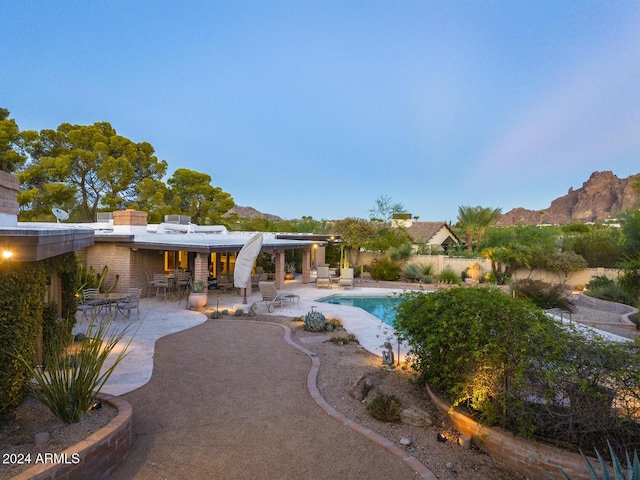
{"points": [[400, 253], [474, 272], [629, 280], [344, 340], [412, 272], [542, 294], [385, 269], [335, 322], [386, 408], [604, 288], [447, 275], [515, 367]]}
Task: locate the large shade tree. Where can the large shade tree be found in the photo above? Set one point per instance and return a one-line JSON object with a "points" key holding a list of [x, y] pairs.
{"points": [[10, 143], [84, 168], [191, 193]]}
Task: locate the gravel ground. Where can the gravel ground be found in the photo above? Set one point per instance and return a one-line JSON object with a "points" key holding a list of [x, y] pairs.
{"points": [[340, 366], [343, 364]]}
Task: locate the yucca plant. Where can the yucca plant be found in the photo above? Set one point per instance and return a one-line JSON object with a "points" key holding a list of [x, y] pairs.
{"points": [[632, 473], [72, 375]]}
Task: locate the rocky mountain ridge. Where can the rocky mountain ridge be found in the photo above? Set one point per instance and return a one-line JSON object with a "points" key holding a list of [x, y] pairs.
{"points": [[250, 212], [601, 197]]}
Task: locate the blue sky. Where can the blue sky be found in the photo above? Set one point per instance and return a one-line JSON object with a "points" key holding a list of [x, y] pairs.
{"points": [[318, 108]]}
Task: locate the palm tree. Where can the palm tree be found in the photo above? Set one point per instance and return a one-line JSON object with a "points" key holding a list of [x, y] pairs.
{"points": [[476, 220]]}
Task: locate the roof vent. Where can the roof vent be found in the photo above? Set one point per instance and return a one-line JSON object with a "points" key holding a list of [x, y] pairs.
{"points": [[178, 219]]}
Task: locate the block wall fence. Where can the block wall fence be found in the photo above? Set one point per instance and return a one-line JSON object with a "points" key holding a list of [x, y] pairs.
{"points": [[459, 264]]}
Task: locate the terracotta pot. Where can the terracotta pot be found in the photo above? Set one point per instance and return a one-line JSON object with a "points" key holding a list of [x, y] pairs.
{"points": [[197, 300]]}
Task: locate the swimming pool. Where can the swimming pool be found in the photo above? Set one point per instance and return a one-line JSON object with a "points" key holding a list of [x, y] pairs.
{"points": [[380, 306]]}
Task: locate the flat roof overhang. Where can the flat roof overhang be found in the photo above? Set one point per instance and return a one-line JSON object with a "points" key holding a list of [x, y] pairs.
{"points": [[218, 246], [33, 244]]}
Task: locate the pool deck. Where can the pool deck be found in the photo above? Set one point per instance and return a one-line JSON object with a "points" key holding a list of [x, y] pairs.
{"points": [[159, 318]]}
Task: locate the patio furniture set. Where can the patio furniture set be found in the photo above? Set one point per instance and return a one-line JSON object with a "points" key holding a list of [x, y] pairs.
{"points": [[93, 302]]}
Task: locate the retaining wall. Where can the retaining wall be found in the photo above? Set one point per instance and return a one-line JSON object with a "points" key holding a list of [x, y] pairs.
{"points": [[97, 456], [533, 460]]}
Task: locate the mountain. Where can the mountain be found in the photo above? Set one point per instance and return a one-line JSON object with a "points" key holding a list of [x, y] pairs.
{"points": [[603, 196], [250, 212]]}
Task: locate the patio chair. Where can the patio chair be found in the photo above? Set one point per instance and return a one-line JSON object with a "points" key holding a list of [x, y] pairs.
{"points": [[182, 282], [150, 284], [131, 302], [272, 297], [88, 302], [323, 278], [346, 278], [161, 282]]}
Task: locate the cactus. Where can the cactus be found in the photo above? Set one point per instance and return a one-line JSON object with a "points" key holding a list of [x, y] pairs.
{"points": [[101, 278], [216, 314], [314, 321], [88, 278]]}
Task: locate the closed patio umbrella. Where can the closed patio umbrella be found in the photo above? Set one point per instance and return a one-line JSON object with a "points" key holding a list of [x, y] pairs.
{"points": [[244, 263]]}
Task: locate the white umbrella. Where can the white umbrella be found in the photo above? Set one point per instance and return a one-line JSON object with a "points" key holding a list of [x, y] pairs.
{"points": [[244, 263]]}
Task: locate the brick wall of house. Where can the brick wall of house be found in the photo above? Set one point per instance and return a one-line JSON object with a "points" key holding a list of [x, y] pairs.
{"points": [[132, 266], [531, 459]]}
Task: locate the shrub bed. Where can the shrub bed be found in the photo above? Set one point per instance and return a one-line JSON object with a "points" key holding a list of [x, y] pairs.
{"points": [[510, 365]]}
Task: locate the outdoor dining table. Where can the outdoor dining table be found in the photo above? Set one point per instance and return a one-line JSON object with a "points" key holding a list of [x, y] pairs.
{"points": [[108, 300]]}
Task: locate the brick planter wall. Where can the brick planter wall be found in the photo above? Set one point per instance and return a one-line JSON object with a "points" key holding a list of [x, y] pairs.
{"points": [[533, 460], [99, 454]]}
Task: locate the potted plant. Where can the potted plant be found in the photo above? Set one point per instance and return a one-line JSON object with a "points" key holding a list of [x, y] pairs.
{"points": [[289, 271], [198, 295]]}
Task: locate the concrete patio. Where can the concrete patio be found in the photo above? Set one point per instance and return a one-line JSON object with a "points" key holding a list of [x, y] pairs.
{"points": [[159, 318]]}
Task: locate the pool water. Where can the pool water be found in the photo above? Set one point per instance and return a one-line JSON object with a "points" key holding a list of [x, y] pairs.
{"points": [[380, 306]]}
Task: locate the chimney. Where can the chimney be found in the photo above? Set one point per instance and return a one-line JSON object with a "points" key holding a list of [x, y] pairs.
{"points": [[9, 209], [129, 222]]}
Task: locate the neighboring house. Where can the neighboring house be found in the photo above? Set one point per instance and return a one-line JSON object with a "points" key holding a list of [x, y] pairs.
{"points": [[434, 236]]}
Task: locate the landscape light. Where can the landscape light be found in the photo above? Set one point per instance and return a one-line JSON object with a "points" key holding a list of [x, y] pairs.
{"points": [[6, 254]]}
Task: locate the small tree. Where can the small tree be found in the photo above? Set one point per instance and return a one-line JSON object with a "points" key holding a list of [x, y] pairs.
{"points": [[565, 263]]}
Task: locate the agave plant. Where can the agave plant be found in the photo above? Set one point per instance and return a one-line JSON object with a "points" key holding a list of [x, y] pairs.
{"points": [[632, 473], [314, 321]]}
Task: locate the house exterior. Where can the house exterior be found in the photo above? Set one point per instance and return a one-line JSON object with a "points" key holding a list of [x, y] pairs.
{"points": [[434, 236], [131, 248]]}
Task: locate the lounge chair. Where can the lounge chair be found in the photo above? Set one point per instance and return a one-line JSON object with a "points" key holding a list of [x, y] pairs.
{"points": [[346, 278], [272, 297], [323, 279]]}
